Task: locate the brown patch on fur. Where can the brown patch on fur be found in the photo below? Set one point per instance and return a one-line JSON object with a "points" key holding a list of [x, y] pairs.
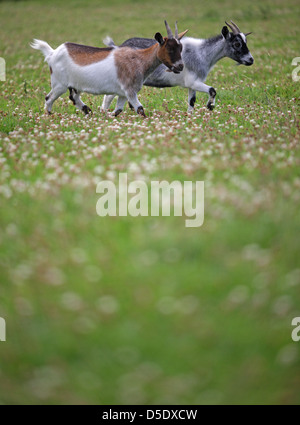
{"points": [[85, 55], [163, 55], [51, 70], [128, 65], [149, 54], [133, 63]]}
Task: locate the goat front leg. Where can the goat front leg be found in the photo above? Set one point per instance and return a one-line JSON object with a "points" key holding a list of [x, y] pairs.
{"points": [[197, 85], [191, 100], [120, 105], [107, 100], [212, 99], [135, 103]]}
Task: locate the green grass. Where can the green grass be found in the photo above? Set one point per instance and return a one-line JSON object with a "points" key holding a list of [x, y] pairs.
{"points": [[124, 310]]}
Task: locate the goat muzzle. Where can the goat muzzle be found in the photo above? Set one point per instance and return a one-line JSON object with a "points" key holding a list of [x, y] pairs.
{"points": [[177, 68]]}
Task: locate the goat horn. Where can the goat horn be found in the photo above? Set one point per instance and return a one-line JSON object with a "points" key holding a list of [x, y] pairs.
{"points": [[176, 31], [248, 33], [182, 34], [169, 31], [235, 26], [232, 29]]}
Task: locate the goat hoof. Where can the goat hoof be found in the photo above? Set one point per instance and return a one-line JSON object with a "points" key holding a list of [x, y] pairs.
{"points": [[87, 110], [118, 111], [210, 106], [140, 111]]}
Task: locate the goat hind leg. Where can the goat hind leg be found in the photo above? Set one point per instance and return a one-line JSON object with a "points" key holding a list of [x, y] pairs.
{"points": [[54, 94], [75, 97]]}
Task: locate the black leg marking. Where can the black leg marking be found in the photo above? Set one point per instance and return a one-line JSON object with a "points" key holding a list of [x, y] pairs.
{"points": [[212, 92], [192, 101], [130, 106], [71, 95], [47, 97], [211, 103], [72, 90]]}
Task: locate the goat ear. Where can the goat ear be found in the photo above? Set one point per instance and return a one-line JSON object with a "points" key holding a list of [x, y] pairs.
{"points": [[225, 32], [159, 38]]}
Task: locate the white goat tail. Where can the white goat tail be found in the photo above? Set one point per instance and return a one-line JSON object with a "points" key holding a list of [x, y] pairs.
{"points": [[43, 47]]}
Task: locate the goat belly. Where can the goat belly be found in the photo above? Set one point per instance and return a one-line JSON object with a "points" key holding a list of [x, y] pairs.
{"points": [[96, 78]]}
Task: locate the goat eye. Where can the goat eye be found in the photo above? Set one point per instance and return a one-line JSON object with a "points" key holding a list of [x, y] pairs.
{"points": [[237, 45]]}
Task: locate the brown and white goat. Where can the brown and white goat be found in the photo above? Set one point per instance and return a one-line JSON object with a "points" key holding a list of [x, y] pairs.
{"points": [[112, 70]]}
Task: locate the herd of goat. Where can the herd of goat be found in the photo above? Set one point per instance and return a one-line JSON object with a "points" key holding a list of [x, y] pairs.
{"points": [[175, 60]]}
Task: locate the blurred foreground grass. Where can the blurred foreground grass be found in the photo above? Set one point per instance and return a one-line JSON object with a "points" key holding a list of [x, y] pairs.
{"points": [[123, 310]]}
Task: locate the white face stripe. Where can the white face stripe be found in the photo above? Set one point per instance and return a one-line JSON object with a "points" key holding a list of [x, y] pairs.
{"points": [[243, 37]]}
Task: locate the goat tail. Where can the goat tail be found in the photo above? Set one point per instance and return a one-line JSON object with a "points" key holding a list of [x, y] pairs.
{"points": [[43, 47], [108, 41]]}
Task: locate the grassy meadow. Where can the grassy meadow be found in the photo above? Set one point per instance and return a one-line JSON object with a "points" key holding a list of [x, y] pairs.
{"points": [[143, 310]]}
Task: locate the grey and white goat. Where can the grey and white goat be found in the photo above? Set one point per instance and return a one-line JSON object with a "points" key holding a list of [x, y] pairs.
{"points": [[199, 56]]}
